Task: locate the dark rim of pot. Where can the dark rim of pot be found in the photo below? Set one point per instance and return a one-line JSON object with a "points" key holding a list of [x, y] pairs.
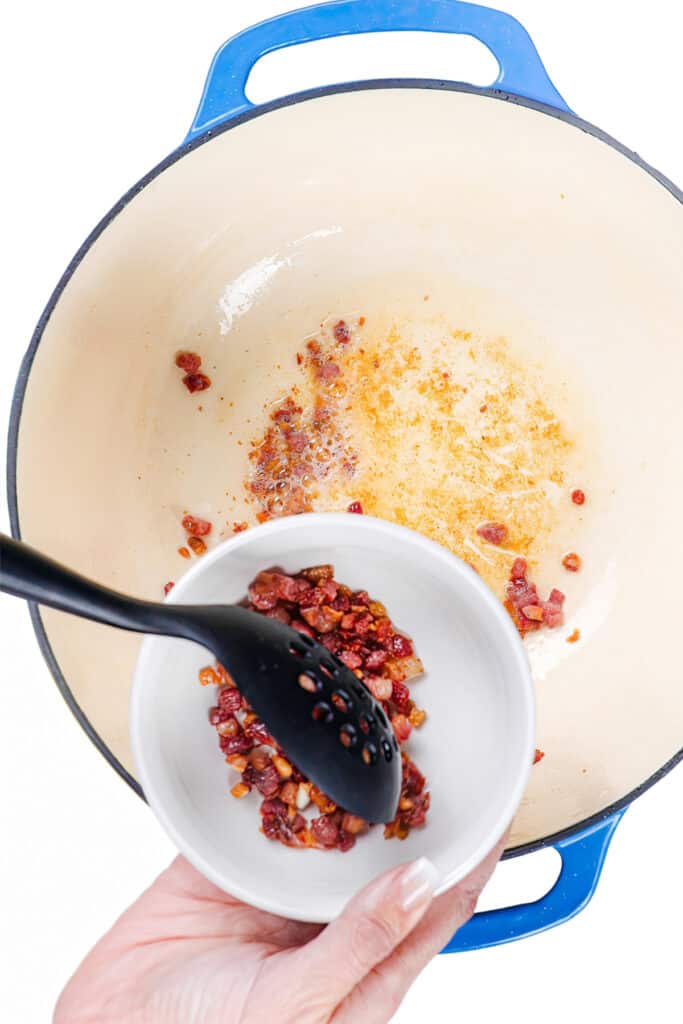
{"points": [[178, 154]]}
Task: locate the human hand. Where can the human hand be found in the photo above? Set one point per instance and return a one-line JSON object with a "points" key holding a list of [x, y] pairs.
{"points": [[186, 952]]}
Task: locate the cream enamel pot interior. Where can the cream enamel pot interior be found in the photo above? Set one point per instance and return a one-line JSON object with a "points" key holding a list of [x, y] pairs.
{"points": [[518, 220]]}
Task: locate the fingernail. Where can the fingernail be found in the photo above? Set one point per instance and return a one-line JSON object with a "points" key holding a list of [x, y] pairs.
{"points": [[418, 883]]}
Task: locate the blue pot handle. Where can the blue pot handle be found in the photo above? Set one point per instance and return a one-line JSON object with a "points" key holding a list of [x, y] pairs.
{"points": [[582, 858], [521, 68]]}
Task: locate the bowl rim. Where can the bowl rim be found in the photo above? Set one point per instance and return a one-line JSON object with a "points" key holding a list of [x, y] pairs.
{"points": [[584, 825], [515, 656]]}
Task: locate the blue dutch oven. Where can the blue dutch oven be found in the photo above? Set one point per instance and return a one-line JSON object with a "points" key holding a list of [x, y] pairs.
{"points": [[561, 209]]}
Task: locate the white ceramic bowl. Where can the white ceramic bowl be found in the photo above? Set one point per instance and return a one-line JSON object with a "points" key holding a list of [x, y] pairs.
{"points": [[475, 747]]}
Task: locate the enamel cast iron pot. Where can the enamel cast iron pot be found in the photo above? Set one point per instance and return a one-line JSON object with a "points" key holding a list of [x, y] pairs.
{"points": [[354, 197]]}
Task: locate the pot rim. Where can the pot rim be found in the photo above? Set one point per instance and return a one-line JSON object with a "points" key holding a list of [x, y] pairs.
{"points": [[183, 150]]}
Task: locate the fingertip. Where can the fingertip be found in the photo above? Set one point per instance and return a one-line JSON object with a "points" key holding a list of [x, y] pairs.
{"points": [[417, 881]]}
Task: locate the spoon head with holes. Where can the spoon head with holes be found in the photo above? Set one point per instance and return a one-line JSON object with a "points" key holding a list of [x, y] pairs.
{"points": [[317, 710]]}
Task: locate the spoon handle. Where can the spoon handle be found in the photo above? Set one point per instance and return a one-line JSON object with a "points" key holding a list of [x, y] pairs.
{"points": [[25, 572]]}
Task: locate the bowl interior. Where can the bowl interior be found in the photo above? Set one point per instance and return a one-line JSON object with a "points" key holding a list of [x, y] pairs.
{"points": [[475, 746]]}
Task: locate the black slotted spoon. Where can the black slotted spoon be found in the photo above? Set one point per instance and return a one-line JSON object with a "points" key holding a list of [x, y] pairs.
{"points": [[322, 716]]}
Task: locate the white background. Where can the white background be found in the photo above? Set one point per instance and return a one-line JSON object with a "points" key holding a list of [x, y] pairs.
{"points": [[93, 95]]}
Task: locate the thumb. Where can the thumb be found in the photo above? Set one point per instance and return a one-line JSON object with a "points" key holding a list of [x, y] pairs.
{"points": [[371, 926]]}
